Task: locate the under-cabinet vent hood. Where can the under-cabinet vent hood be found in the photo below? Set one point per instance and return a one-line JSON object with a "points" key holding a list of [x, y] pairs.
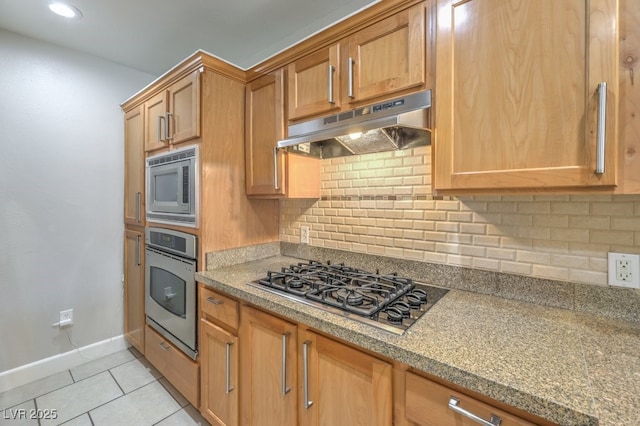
{"points": [[396, 124]]}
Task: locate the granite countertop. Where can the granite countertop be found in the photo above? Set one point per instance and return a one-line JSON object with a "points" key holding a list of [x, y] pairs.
{"points": [[569, 367]]}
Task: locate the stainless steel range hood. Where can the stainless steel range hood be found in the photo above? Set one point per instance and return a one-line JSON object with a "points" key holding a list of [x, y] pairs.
{"points": [[396, 124]]}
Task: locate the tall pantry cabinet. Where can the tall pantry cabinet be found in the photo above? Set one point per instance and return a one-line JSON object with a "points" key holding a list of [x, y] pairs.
{"points": [[199, 102], [134, 318]]}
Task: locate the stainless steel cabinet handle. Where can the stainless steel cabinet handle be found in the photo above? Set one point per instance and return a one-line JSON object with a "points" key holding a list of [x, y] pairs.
{"points": [[285, 389], [350, 77], [602, 127], [138, 199], [137, 250], [305, 371], [160, 118], [214, 301], [454, 405], [167, 131], [228, 388], [276, 184], [331, 70], [164, 346]]}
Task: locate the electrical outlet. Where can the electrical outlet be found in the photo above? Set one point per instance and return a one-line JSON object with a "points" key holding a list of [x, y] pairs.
{"points": [[66, 318], [624, 270], [304, 235]]}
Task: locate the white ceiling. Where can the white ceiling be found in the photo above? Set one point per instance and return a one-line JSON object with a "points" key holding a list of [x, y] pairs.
{"points": [[154, 35]]}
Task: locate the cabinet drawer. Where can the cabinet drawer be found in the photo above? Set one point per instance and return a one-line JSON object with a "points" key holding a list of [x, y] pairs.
{"points": [[427, 403], [180, 370], [219, 308]]}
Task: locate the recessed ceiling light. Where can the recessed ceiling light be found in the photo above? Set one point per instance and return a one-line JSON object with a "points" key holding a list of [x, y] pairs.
{"points": [[66, 10]]}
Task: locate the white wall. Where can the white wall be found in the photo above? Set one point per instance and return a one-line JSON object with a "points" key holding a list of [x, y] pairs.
{"points": [[61, 197]]}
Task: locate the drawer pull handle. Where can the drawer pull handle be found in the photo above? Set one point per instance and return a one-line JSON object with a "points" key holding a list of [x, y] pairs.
{"points": [[454, 405], [229, 388], [214, 301], [164, 346], [305, 370], [285, 389]]}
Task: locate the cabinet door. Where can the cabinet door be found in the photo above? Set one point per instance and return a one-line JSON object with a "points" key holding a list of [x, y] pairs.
{"points": [[134, 167], [312, 83], [388, 56], [219, 380], [155, 124], [134, 317], [264, 127], [343, 386], [184, 109], [268, 365], [516, 95]]}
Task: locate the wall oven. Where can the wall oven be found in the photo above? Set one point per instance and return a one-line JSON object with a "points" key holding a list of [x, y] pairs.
{"points": [[172, 187], [170, 286]]}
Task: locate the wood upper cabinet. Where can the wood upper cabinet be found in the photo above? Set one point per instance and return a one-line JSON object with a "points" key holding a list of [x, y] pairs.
{"points": [[269, 387], [264, 121], [343, 385], [313, 83], [516, 98], [271, 173], [386, 57], [172, 116], [134, 190], [219, 391], [378, 61], [134, 317]]}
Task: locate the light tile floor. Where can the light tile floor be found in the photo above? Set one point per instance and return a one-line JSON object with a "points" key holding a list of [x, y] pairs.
{"points": [[118, 389]]}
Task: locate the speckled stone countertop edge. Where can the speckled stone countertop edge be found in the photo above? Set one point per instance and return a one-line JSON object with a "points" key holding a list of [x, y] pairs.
{"points": [[369, 338]]}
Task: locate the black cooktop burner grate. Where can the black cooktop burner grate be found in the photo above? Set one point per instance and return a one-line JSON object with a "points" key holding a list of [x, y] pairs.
{"points": [[387, 299]]}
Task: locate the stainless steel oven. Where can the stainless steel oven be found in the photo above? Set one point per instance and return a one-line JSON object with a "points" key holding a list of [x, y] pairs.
{"points": [[170, 286]]}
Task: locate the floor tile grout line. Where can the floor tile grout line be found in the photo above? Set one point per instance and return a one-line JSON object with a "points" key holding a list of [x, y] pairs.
{"points": [[116, 380]]}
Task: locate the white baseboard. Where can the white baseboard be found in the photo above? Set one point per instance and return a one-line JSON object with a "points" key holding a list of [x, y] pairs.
{"points": [[46, 367]]}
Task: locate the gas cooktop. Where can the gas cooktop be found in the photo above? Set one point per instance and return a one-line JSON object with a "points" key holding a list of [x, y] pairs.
{"points": [[386, 301]]}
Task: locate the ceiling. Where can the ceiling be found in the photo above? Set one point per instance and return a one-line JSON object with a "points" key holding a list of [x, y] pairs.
{"points": [[154, 35]]}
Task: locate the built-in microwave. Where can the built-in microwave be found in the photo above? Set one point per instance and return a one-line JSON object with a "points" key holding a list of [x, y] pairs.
{"points": [[172, 187]]}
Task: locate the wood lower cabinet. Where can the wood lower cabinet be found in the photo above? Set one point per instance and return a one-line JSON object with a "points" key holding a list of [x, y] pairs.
{"points": [[219, 392], [175, 366], [219, 357], [271, 173], [427, 403], [134, 317], [341, 385], [268, 361], [517, 99]]}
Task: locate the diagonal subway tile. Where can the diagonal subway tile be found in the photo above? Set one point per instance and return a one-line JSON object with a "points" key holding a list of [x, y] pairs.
{"points": [[34, 389], [99, 365], [135, 374], [20, 415], [78, 398], [188, 416], [145, 406]]}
